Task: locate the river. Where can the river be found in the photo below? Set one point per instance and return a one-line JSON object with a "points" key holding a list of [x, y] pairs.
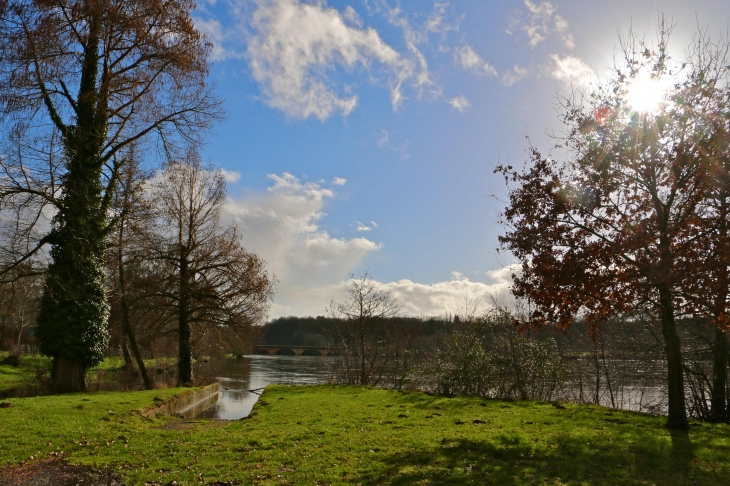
{"points": [[237, 377]]}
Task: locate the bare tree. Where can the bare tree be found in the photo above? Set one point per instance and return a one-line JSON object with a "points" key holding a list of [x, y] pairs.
{"points": [[367, 331], [133, 218], [210, 279], [81, 81], [19, 302]]}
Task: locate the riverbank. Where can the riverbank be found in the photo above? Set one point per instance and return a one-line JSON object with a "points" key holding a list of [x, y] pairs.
{"points": [[334, 435], [33, 372]]}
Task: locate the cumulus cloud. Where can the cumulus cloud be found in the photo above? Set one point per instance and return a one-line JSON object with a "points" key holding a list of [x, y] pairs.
{"points": [[539, 21], [468, 58], [570, 69], [283, 226], [339, 181], [460, 103], [431, 299], [295, 44]]}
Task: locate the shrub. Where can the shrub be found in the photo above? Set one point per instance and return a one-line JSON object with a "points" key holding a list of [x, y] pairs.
{"points": [[11, 360], [488, 357]]}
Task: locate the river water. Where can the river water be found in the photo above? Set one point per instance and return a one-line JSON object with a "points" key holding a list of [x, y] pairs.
{"points": [[242, 380], [237, 377]]}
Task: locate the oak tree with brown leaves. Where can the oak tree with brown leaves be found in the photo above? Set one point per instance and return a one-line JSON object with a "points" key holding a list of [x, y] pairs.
{"points": [[621, 225]]}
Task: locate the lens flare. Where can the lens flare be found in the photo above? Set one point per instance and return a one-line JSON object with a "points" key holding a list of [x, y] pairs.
{"points": [[646, 93]]}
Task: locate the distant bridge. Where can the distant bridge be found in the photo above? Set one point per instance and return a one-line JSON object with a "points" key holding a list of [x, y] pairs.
{"points": [[275, 349]]}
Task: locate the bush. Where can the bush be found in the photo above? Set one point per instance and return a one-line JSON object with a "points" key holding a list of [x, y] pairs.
{"points": [[11, 360], [488, 357]]}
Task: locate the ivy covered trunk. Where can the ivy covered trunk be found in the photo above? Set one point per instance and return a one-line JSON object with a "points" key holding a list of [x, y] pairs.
{"points": [[72, 320]]}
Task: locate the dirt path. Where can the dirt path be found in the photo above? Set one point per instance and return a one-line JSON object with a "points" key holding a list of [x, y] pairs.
{"points": [[54, 472]]}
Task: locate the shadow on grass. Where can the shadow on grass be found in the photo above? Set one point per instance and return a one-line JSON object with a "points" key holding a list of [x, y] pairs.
{"points": [[512, 460], [682, 451]]}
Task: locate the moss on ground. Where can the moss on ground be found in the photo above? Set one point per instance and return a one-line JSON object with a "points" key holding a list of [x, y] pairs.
{"points": [[339, 435]]}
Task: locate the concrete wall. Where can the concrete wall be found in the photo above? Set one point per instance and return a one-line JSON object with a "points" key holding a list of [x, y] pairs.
{"points": [[187, 405]]}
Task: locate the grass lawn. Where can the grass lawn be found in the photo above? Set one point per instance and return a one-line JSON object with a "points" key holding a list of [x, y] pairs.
{"points": [[335, 435], [31, 367], [23, 375]]}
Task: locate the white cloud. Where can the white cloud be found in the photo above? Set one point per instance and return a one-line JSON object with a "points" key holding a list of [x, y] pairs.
{"points": [[514, 75], [467, 58], [219, 37], [283, 227], [295, 44], [362, 227], [540, 21], [231, 176], [420, 299], [339, 181], [570, 69], [412, 37], [460, 103], [437, 22]]}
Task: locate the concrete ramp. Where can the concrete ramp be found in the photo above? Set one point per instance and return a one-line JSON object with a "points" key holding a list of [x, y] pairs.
{"points": [[187, 405]]}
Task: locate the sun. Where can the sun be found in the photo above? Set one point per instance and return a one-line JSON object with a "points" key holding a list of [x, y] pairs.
{"points": [[646, 92]]}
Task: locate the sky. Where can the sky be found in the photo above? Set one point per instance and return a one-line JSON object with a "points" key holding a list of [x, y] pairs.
{"points": [[362, 135]]}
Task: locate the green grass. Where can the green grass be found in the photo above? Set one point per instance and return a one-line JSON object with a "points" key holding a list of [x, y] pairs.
{"points": [[23, 375], [338, 435], [31, 367]]}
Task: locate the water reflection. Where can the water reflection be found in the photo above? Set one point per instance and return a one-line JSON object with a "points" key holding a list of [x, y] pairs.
{"points": [[238, 376]]}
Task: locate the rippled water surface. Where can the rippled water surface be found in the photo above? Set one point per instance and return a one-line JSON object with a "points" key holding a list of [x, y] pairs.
{"points": [[238, 376]]}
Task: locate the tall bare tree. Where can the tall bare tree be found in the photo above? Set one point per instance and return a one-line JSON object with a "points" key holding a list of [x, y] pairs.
{"points": [[133, 218], [211, 280], [95, 76], [367, 331]]}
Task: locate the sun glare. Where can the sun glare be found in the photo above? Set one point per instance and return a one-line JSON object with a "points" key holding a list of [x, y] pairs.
{"points": [[645, 93]]}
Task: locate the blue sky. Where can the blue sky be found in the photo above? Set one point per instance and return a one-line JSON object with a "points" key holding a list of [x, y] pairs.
{"points": [[364, 133]]}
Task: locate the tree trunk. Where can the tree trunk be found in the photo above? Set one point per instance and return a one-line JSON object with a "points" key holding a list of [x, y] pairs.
{"points": [[363, 373], [73, 311], [677, 413], [185, 355], [135, 349], [67, 375], [185, 351], [718, 411], [127, 358], [126, 324]]}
